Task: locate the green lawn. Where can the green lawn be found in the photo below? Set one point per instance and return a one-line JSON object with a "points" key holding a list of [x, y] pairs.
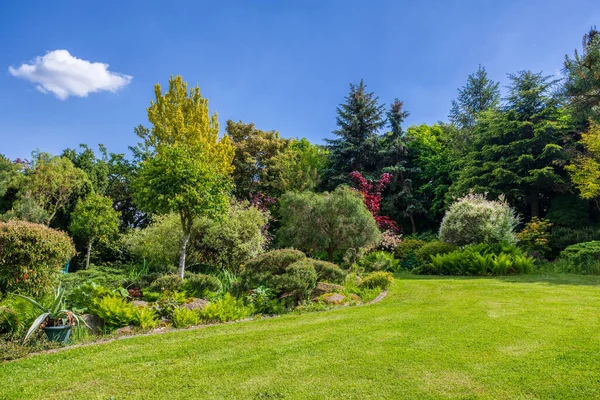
{"points": [[523, 337]]}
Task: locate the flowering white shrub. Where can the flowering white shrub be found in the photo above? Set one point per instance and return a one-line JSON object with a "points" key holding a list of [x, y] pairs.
{"points": [[473, 219]]}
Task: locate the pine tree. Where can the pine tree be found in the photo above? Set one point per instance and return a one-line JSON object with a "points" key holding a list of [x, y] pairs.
{"points": [[479, 94], [394, 159], [582, 85], [517, 150], [357, 146]]}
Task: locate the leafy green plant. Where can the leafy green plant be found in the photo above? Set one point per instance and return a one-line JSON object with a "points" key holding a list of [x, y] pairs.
{"points": [[535, 236], [226, 309], [379, 261], [433, 248], [263, 300], [584, 257], [53, 315], [9, 320], [115, 311], [169, 301], [298, 281], [378, 279], [145, 318], [104, 276], [84, 297], [183, 317]]}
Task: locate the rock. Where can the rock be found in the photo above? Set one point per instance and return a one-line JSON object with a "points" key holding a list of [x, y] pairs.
{"points": [[94, 322], [195, 304], [323, 288], [125, 331], [140, 303], [333, 298]]}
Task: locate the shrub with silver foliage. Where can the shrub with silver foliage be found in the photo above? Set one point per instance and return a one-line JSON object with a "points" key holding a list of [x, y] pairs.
{"points": [[473, 219]]}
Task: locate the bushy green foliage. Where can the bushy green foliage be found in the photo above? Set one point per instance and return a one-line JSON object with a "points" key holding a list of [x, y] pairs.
{"points": [[535, 236], [145, 318], [9, 320], [183, 317], [273, 262], [115, 311], [433, 248], [405, 253], [378, 279], [158, 244], [331, 222], [263, 300], [482, 259], [473, 219], [379, 261], [298, 281], [408, 247], [169, 301], [585, 257], [287, 272], [31, 257], [568, 211], [232, 241], [170, 282], [108, 277], [561, 238], [198, 285], [84, 297], [328, 272], [226, 309]]}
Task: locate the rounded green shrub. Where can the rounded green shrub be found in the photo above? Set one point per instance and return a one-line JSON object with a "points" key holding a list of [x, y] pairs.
{"points": [[584, 257], [328, 272], [379, 279], [288, 273], [407, 248], [275, 261], [473, 219], [199, 285], [169, 282], [434, 248], [31, 257], [299, 280]]}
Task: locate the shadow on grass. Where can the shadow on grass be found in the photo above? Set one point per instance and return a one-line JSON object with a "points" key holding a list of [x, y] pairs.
{"points": [[537, 277]]}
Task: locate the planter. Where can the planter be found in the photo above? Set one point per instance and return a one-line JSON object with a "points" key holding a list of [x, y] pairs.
{"points": [[59, 334]]}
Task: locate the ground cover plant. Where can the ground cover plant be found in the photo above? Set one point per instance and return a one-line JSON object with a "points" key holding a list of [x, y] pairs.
{"points": [[486, 338]]}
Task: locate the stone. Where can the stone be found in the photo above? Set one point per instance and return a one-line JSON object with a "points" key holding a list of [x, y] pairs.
{"points": [[125, 331], [140, 303], [323, 288], [333, 298], [93, 322], [195, 304]]}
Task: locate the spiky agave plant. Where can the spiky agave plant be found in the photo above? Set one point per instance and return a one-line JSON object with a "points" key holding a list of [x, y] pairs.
{"points": [[54, 314]]}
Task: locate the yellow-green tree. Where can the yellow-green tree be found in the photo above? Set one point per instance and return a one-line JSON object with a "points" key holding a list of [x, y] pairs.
{"points": [[187, 168], [585, 168]]}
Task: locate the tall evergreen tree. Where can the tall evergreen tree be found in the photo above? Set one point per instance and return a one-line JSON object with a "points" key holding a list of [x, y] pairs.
{"points": [[582, 84], [518, 150], [479, 94], [357, 146], [401, 202]]}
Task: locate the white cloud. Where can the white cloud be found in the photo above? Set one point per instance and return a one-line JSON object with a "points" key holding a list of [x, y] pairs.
{"points": [[60, 73]]}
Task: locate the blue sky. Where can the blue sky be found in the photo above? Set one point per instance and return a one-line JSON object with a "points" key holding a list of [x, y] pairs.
{"points": [[284, 65]]}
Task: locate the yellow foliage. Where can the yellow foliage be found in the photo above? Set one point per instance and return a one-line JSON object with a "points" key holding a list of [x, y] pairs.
{"points": [[585, 169]]}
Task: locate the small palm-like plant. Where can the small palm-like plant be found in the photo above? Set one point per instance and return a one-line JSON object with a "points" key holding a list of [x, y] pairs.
{"points": [[54, 315]]}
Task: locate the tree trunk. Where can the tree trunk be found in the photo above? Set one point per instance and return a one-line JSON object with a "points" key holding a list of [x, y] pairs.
{"points": [[182, 251], [89, 253], [535, 204], [330, 251], [412, 223]]}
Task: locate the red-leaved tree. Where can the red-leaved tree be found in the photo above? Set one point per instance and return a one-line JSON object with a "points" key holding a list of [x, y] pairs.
{"points": [[372, 192]]}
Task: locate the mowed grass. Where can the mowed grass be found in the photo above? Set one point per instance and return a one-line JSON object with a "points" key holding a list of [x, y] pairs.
{"points": [[506, 338]]}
